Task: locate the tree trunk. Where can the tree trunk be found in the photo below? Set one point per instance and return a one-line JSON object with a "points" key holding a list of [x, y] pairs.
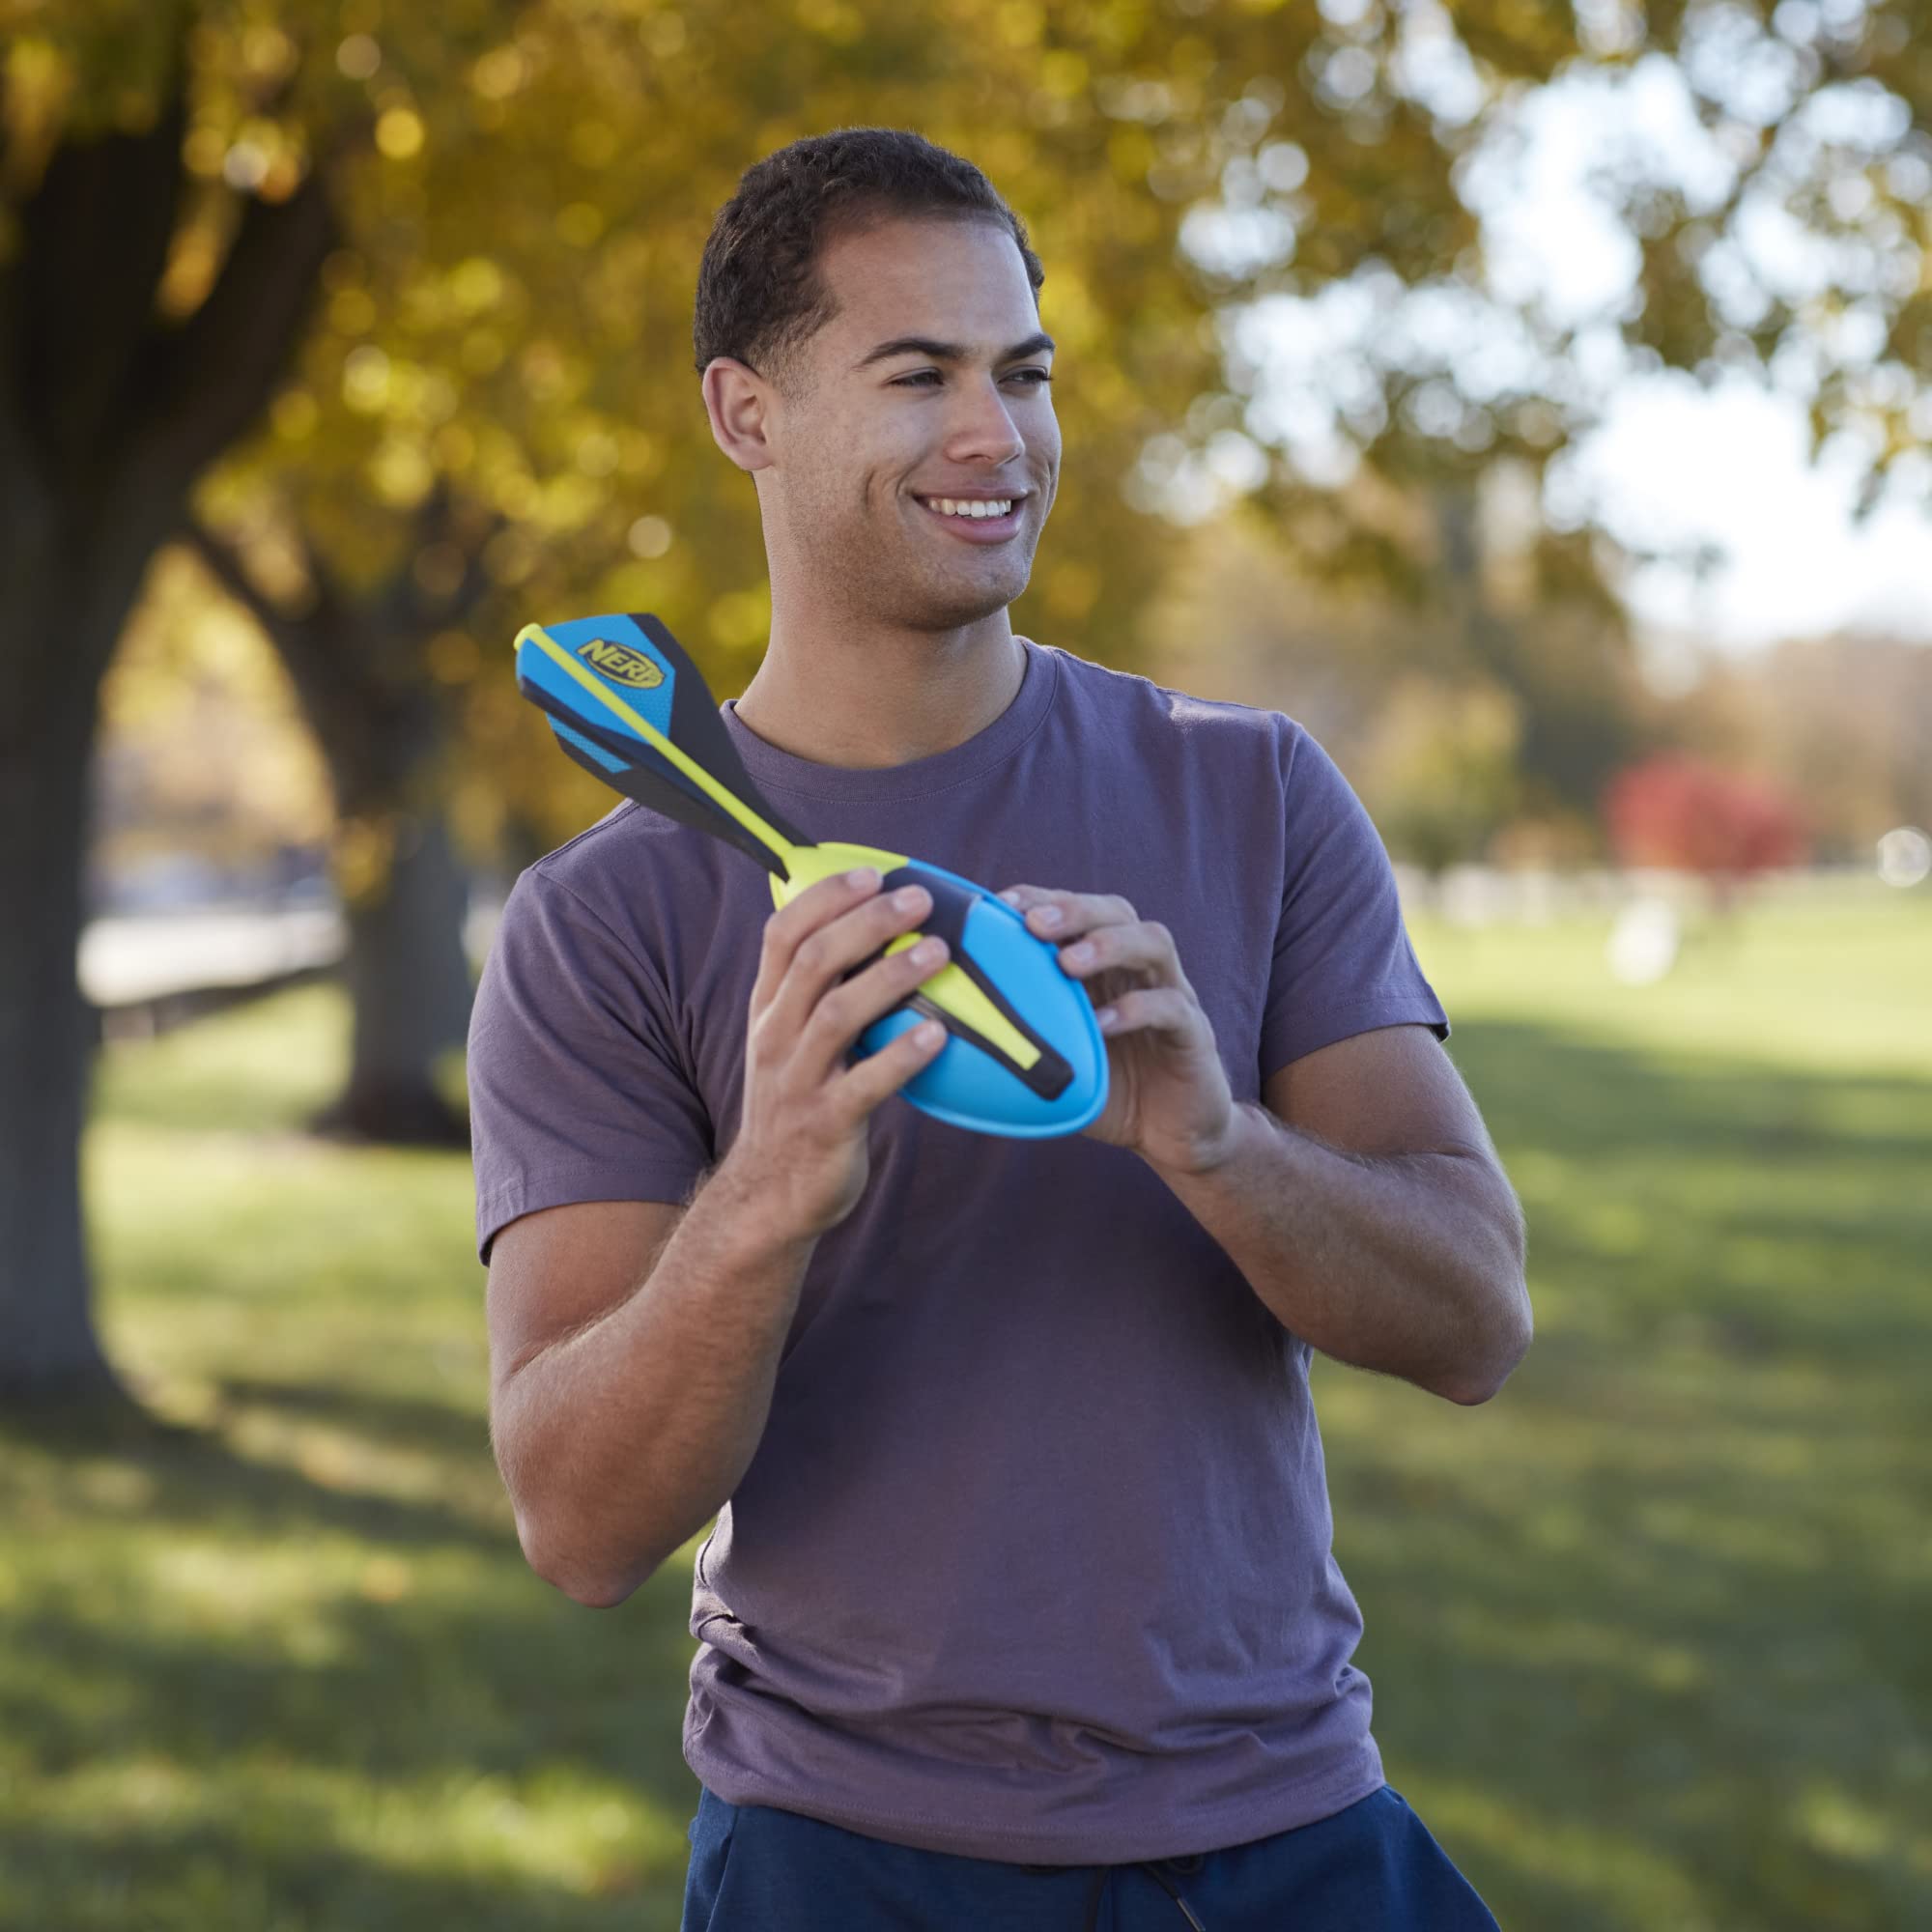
{"points": [[72, 581], [107, 415], [356, 659], [408, 977], [406, 970], [47, 1342]]}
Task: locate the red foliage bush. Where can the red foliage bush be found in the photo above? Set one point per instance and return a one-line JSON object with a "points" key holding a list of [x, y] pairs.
{"points": [[1678, 813]]}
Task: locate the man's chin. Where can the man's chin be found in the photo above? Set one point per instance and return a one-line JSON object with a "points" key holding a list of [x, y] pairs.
{"points": [[945, 609]]}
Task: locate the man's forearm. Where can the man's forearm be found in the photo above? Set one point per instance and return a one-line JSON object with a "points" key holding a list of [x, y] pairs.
{"points": [[618, 1443], [1409, 1264]]}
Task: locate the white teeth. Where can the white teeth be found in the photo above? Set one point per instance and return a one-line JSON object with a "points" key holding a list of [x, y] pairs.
{"points": [[951, 506]]}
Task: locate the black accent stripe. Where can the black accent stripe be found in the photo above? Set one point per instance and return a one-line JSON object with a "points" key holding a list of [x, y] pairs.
{"points": [[651, 787], [1050, 1075], [698, 731]]}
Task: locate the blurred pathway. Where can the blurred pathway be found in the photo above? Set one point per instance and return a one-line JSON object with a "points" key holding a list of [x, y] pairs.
{"points": [[126, 961]]}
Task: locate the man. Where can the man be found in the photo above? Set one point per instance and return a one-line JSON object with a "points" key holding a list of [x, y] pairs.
{"points": [[1019, 1606]]}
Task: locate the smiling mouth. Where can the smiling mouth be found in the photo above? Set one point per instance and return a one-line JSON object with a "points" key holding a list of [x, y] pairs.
{"points": [[969, 509], [971, 529]]}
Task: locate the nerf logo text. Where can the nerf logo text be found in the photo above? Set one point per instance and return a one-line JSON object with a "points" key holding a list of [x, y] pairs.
{"points": [[620, 664]]}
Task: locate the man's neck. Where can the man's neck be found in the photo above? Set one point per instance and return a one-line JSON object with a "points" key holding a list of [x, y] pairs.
{"points": [[862, 707]]}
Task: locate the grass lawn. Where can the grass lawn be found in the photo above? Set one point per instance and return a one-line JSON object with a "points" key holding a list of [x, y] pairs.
{"points": [[1649, 1632]]}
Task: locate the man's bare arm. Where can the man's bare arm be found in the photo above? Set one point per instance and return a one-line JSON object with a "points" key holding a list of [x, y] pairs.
{"points": [[620, 1440], [1367, 1209], [619, 1436]]}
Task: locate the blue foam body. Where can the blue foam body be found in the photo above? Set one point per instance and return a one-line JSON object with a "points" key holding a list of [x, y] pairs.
{"points": [[968, 1087]]}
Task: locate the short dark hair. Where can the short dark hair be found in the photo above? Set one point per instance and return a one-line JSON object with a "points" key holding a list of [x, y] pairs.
{"points": [[760, 294]]}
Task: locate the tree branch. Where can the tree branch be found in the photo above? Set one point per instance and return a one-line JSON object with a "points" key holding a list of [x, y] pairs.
{"points": [[398, 604], [210, 377], [223, 562], [477, 583], [95, 238]]}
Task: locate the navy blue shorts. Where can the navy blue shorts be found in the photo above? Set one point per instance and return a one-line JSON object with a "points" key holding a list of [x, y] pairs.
{"points": [[1372, 1868]]}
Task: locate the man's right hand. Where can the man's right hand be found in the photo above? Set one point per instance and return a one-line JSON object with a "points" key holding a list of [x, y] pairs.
{"points": [[802, 1142]]}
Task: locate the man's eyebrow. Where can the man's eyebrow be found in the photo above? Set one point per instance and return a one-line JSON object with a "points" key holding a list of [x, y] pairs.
{"points": [[948, 351]]}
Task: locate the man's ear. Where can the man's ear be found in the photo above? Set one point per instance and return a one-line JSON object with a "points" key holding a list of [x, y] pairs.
{"points": [[738, 401]]}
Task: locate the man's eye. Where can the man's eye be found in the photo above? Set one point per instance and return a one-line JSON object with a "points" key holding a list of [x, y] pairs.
{"points": [[903, 380]]}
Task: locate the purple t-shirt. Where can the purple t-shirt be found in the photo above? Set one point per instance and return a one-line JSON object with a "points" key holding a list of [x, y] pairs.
{"points": [[1033, 1562]]}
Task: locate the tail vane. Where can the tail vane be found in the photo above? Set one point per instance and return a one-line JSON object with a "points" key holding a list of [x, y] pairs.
{"points": [[628, 694], [608, 756]]}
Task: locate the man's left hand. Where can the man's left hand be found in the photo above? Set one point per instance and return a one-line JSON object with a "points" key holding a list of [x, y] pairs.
{"points": [[1168, 1097]]}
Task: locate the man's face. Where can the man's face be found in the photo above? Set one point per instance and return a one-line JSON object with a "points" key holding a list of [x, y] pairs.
{"points": [[877, 434]]}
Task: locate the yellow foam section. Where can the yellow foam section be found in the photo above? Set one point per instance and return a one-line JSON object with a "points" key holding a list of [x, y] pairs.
{"points": [[949, 988]]}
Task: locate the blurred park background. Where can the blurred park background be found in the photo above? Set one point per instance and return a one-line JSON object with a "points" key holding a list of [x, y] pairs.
{"points": [[1533, 401]]}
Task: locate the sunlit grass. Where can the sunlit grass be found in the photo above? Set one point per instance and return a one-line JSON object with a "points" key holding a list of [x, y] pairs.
{"points": [[1829, 975], [1646, 1632], [286, 1667]]}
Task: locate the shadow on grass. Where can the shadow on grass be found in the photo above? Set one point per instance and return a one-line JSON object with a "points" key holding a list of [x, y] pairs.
{"points": [[198, 1476], [1780, 1210], [287, 1873], [432, 1688], [224, 1757], [435, 1427], [1542, 1087]]}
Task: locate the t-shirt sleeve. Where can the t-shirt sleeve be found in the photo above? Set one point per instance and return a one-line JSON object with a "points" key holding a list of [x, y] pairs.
{"points": [[577, 1091], [1342, 963]]}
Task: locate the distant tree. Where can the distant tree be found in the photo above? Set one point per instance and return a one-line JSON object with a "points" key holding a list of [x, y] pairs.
{"points": [[204, 749], [364, 659], [1440, 775], [1545, 680], [1844, 721], [1681, 814]]}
